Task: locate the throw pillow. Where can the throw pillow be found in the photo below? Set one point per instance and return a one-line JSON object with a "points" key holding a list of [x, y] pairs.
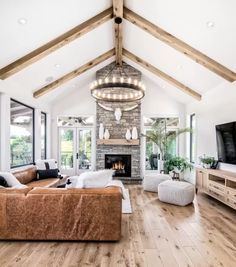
{"points": [[47, 169], [46, 164], [3, 182], [45, 174], [10, 179], [97, 179]]}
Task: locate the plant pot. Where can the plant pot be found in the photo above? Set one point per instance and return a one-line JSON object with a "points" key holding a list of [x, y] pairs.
{"points": [[160, 165], [206, 166]]}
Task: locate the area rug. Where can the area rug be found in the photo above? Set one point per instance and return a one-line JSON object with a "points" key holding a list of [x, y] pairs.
{"points": [[126, 204]]}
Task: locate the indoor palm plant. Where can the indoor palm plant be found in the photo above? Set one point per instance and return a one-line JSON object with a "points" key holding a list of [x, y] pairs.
{"points": [[163, 138]]}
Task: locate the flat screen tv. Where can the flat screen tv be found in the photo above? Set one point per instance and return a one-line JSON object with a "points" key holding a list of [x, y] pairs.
{"points": [[226, 142]]}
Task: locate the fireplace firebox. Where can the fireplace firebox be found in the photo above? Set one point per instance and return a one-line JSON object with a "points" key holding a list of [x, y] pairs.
{"points": [[121, 164]]}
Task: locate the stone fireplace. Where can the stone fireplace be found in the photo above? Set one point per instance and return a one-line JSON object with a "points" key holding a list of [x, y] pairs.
{"points": [[129, 119]]}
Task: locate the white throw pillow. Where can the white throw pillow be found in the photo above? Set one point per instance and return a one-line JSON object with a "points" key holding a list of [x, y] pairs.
{"points": [[95, 179], [10, 179], [40, 164]]}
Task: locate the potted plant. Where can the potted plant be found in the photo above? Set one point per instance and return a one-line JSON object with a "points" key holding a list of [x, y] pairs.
{"points": [[178, 165], [207, 161]]}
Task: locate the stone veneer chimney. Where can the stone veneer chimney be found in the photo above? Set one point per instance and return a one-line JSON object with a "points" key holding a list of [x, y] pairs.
{"points": [[128, 120]]}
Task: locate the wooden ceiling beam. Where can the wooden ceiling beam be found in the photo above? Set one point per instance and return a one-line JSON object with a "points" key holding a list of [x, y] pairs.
{"points": [[179, 45], [57, 43], [71, 75], [161, 74], [118, 15]]}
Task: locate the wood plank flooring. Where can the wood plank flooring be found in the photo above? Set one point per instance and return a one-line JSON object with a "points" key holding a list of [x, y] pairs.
{"points": [[155, 234]]}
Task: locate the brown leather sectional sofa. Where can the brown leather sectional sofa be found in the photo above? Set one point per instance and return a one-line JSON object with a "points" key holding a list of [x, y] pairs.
{"points": [[28, 175], [60, 213]]}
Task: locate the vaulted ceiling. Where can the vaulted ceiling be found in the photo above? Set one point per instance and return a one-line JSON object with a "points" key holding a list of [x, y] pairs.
{"points": [[207, 26]]}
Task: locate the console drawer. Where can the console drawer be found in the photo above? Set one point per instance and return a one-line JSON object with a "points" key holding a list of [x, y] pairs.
{"points": [[231, 193], [216, 193], [231, 202], [214, 185]]}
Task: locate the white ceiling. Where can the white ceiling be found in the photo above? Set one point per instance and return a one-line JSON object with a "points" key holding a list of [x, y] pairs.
{"points": [[185, 19]]}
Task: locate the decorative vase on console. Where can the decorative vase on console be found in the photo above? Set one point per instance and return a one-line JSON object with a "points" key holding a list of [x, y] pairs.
{"points": [[101, 131], [128, 134], [134, 133], [106, 134]]}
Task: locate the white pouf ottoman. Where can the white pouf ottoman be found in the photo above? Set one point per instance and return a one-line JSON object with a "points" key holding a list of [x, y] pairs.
{"points": [[151, 181], [176, 192]]}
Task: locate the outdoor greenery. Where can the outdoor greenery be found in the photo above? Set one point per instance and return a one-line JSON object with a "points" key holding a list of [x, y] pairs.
{"points": [[163, 138], [67, 149], [177, 163], [21, 150]]}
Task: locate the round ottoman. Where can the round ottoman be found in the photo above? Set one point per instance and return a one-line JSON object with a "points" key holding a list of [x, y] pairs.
{"points": [[176, 192], [151, 181]]}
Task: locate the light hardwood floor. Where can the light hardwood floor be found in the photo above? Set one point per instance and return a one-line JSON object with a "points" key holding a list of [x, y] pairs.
{"points": [[156, 234]]}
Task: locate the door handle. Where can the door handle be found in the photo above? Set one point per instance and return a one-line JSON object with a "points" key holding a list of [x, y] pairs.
{"points": [[77, 155]]}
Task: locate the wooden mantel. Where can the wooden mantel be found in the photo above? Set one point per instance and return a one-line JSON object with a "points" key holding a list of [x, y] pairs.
{"points": [[118, 142]]}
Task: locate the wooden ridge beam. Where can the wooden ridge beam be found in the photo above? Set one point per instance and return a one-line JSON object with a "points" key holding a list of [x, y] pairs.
{"points": [[179, 45], [56, 43], [118, 14], [50, 87], [161, 74]]}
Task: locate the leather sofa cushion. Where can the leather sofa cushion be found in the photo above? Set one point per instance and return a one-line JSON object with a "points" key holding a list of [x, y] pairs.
{"points": [[26, 175], [50, 182], [12, 191]]}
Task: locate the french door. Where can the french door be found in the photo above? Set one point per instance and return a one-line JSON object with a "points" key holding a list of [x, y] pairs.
{"points": [[75, 149]]}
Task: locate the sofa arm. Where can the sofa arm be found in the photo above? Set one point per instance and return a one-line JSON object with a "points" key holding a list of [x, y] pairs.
{"points": [[12, 213], [74, 214]]}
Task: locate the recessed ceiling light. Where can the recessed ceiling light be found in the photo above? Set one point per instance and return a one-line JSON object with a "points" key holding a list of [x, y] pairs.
{"points": [[57, 66], [210, 24], [49, 79], [22, 21]]}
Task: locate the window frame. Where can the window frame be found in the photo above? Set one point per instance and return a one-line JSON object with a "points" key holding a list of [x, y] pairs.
{"points": [[45, 134], [169, 128], [33, 134], [191, 156]]}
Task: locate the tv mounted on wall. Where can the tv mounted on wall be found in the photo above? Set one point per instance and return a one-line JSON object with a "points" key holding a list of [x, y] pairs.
{"points": [[226, 142]]}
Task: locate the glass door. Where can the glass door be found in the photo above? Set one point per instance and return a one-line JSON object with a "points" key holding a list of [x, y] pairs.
{"points": [[75, 150], [67, 150], [84, 154]]}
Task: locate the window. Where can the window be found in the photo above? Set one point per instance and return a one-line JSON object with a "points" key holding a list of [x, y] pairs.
{"points": [[43, 135], [21, 134], [163, 127], [192, 137]]}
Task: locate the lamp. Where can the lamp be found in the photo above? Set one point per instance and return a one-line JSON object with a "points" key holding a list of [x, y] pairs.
{"points": [[117, 87]]}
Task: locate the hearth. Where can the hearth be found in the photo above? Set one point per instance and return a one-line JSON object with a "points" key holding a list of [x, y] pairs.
{"points": [[121, 164]]}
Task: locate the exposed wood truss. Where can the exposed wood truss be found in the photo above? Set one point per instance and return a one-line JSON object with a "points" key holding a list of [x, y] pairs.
{"points": [[179, 45], [57, 43], [161, 74], [118, 14], [48, 88]]}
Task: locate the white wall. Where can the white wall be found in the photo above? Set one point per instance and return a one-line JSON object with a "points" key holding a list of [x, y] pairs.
{"points": [[217, 106], [25, 96], [76, 103], [160, 104]]}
